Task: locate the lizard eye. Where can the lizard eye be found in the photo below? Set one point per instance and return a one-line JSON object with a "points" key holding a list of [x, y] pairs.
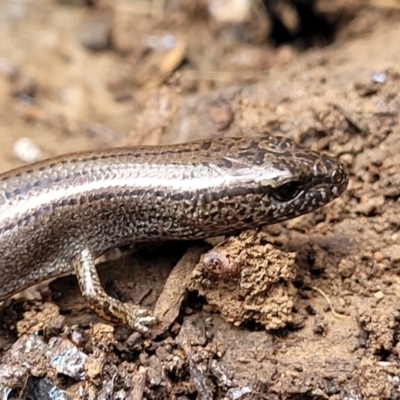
{"points": [[287, 192]]}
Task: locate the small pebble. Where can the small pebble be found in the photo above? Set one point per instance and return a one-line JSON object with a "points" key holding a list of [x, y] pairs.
{"points": [[379, 77], [163, 43], [379, 295], [27, 150], [378, 256], [234, 11]]}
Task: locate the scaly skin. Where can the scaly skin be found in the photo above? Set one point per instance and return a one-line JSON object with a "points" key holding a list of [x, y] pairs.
{"points": [[60, 214]]}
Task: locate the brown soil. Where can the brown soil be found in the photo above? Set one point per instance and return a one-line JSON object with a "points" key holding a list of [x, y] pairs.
{"points": [[314, 312]]}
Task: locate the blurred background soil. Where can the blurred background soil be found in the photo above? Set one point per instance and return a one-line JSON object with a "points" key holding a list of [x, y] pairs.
{"points": [[78, 75]]}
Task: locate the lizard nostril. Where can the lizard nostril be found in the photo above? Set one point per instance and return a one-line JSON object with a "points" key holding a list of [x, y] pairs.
{"points": [[336, 176]]}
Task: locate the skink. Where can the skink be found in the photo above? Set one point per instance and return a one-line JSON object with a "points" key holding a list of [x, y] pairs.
{"points": [[58, 215]]}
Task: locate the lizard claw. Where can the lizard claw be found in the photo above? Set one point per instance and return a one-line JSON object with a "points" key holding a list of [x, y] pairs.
{"points": [[141, 320]]}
